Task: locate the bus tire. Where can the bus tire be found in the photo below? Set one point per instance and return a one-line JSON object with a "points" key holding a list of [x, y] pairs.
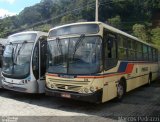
{"points": [[121, 89], [149, 79]]}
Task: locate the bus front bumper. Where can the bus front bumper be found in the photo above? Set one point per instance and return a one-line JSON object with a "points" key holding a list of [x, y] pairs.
{"points": [[23, 88], [92, 97], [0, 83]]}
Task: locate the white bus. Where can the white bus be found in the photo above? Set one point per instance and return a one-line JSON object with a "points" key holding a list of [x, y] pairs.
{"points": [[2, 45], [94, 62], [24, 63]]}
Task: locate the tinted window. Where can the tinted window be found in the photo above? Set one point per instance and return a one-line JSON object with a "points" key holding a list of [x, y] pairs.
{"points": [[122, 51], [110, 50], [75, 29], [145, 52], [150, 53], [20, 38], [131, 49], [139, 51]]}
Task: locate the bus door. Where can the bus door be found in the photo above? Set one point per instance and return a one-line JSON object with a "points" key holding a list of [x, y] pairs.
{"points": [[39, 62], [43, 57], [1, 54], [110, 59]]}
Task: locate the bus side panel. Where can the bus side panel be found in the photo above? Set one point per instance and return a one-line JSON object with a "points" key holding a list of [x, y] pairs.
{"points": [[132, 77], [143, 70], [154, 71], [110, 84], [136, 77], [109, 88]]}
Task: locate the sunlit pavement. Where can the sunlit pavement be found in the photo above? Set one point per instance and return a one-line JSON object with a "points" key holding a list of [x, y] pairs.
{"points": [[144, 101]]}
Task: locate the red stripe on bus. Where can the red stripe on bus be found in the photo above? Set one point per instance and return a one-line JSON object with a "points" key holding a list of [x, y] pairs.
{"points": [[55, 75], [129, 68]]}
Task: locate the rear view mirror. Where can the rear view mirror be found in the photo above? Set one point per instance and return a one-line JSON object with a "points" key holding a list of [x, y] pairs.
{"points": [[43, 38], [1, 55]]}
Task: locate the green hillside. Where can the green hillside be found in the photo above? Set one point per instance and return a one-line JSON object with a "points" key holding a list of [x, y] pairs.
{"points": [[133, 16]]}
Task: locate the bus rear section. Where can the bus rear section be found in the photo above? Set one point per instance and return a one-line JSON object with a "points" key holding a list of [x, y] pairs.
{"points": [[95, 62], [23, 70]]}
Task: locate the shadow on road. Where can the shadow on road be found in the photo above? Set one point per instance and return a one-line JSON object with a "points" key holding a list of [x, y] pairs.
{"points": [[144, 101]]}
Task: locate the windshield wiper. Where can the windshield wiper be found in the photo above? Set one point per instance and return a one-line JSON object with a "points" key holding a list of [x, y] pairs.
{"points": [[12, 53], [13, 63], [80, 40], [59, 45], [21, 47], [18, 52]]}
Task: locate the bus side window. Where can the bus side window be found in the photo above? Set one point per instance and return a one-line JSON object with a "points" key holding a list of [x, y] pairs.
{"points": [[43, 56], [1, 55], [110, 51], [122, 48], [35, 61]]}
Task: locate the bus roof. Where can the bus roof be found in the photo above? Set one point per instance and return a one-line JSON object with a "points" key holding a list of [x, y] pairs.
{"points": [[26, 32], [3, 41], [113, 29]]}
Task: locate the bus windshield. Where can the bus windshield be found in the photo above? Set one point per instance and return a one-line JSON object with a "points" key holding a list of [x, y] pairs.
{"points": [[16, 59], [75, 56]]}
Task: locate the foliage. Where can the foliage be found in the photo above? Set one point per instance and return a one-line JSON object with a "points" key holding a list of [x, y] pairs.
{"points": [[122, 14], [115, 21], [141, 32], [156, 36]]}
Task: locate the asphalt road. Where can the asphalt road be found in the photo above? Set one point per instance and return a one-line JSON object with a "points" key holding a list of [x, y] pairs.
{"points": [[143, 101]]}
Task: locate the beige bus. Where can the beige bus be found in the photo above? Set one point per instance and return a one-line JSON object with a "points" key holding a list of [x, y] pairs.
{"points": [[94, 62]]}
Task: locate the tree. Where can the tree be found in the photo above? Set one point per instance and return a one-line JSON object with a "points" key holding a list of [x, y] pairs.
{"points": [[67, 18], [142, 33], [121, 14], [115, 21], [156, 36]]}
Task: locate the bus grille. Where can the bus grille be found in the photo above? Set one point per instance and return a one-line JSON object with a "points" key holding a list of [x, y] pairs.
{"points": [[68, 85]]}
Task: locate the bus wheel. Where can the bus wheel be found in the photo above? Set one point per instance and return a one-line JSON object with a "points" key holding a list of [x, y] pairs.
{"points": [[149, 79], [120, 90]]}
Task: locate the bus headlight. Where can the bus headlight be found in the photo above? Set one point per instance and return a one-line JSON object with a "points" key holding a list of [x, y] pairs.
{"points": [[22, 82], [86, 90], [52, 86], [92, 89], [48, 84], [26, 81], [3, 79], [81, 91]]}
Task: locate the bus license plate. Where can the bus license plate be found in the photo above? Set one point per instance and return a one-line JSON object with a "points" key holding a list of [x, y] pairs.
{"points": [[65, 95]]}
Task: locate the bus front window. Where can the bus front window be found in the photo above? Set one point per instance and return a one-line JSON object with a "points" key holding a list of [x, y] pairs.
{"points": [[16, 59], [17, 64], [75, 55]]}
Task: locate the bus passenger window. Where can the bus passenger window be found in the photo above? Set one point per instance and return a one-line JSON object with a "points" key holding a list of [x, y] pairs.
{"points": [[145, 52], [111, 48], [139, 51], [35, 62], [150, 53], [110, 51], [122, 48]]}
